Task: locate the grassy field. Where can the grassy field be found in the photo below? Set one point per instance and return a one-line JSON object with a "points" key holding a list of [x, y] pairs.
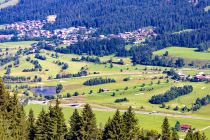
{"points": [[138, 75], [9, 3], [145, 121], [182, 52]]}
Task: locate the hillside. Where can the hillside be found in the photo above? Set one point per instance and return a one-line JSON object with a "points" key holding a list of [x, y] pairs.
{"points": [[112, 16]]}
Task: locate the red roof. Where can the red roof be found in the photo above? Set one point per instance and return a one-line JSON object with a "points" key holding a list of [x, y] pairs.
{"points": [[185, 126], [200, 77]]}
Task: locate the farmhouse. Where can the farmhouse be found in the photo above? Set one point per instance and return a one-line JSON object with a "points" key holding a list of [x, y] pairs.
{"points": [[105, 90], [182, 76], [199, 77], [185, 127]]}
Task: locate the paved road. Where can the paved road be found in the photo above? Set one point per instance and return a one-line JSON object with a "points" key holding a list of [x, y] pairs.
{"points": [[106, 109]]}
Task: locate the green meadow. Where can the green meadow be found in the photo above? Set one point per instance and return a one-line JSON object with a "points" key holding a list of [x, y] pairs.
{"points": [[189, 53], [141, 86]]}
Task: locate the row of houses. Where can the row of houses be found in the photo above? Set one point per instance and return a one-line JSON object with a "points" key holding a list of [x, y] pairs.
{"points": [[34, 29], [196, 78], [134, 36]]}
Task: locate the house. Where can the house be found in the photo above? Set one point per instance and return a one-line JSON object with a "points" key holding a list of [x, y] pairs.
{"points": [[185, 127], [182, 76], [207, 77], [105, 90], [199, 77]]}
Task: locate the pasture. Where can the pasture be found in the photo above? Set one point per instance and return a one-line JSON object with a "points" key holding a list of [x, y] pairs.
{"points": [[189, 53], [141, 86]]}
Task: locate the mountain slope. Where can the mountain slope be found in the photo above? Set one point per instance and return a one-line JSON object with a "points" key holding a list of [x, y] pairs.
{"points": [[112, 16]]}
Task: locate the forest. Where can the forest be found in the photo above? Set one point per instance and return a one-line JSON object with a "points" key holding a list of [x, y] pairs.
{"points": [[113, 16]]}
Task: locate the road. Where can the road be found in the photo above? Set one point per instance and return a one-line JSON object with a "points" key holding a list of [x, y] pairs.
{"points": [[106, 109]]}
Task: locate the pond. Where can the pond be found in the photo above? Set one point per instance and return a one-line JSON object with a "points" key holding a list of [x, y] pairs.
{"points": [[46, 91]]}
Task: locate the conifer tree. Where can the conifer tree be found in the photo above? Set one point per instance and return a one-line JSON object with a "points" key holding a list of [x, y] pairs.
{"points": [[18, 121], [166, 130], [75, 126], [5, 125], [204, 137], [106, 130], [131, 124], [115, 128], [177, 126], [31, 125], [57, 128], [189, 135], [41, 126], [197, 135], [4, 99], [89, 127], [174, 135]]}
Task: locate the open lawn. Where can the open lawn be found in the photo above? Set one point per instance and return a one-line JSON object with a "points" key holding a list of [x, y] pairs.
{"points": [[16, 45], [182, 52], [145, 121]]}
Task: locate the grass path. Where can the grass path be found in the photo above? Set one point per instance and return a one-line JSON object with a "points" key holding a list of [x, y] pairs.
{"points": [[9, 3]]}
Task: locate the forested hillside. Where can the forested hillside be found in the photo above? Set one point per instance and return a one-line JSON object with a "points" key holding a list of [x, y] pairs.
{"points": [[113, 16]]}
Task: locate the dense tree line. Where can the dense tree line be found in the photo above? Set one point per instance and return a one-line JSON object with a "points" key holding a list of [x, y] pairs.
{"points": [[38, 56], [121, 100], [7, 59], [79, 74], [98, 81], [37, 66], [173, 93], [98, 47], [201, 102], [144, 55], [18, 79], [50, 124], [87, 59]]}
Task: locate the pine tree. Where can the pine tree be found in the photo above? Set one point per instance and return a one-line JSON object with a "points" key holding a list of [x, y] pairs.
{"points": [[197, 135], [115, 128], [131, 125], [166, 130], [189, 135], [174, 135], [4, 113], [89, 127], [41, 126], [4, 99], [107, 128], [57, 128], [177, 126], [31, 125], [75, 126], [204, 137], [18, 120]]}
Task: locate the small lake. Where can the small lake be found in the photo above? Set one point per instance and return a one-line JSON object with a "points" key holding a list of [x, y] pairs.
{"points": [[44, 90]]}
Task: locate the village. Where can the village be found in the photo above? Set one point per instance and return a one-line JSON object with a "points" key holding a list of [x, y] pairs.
{"points": [[34, 30]]}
